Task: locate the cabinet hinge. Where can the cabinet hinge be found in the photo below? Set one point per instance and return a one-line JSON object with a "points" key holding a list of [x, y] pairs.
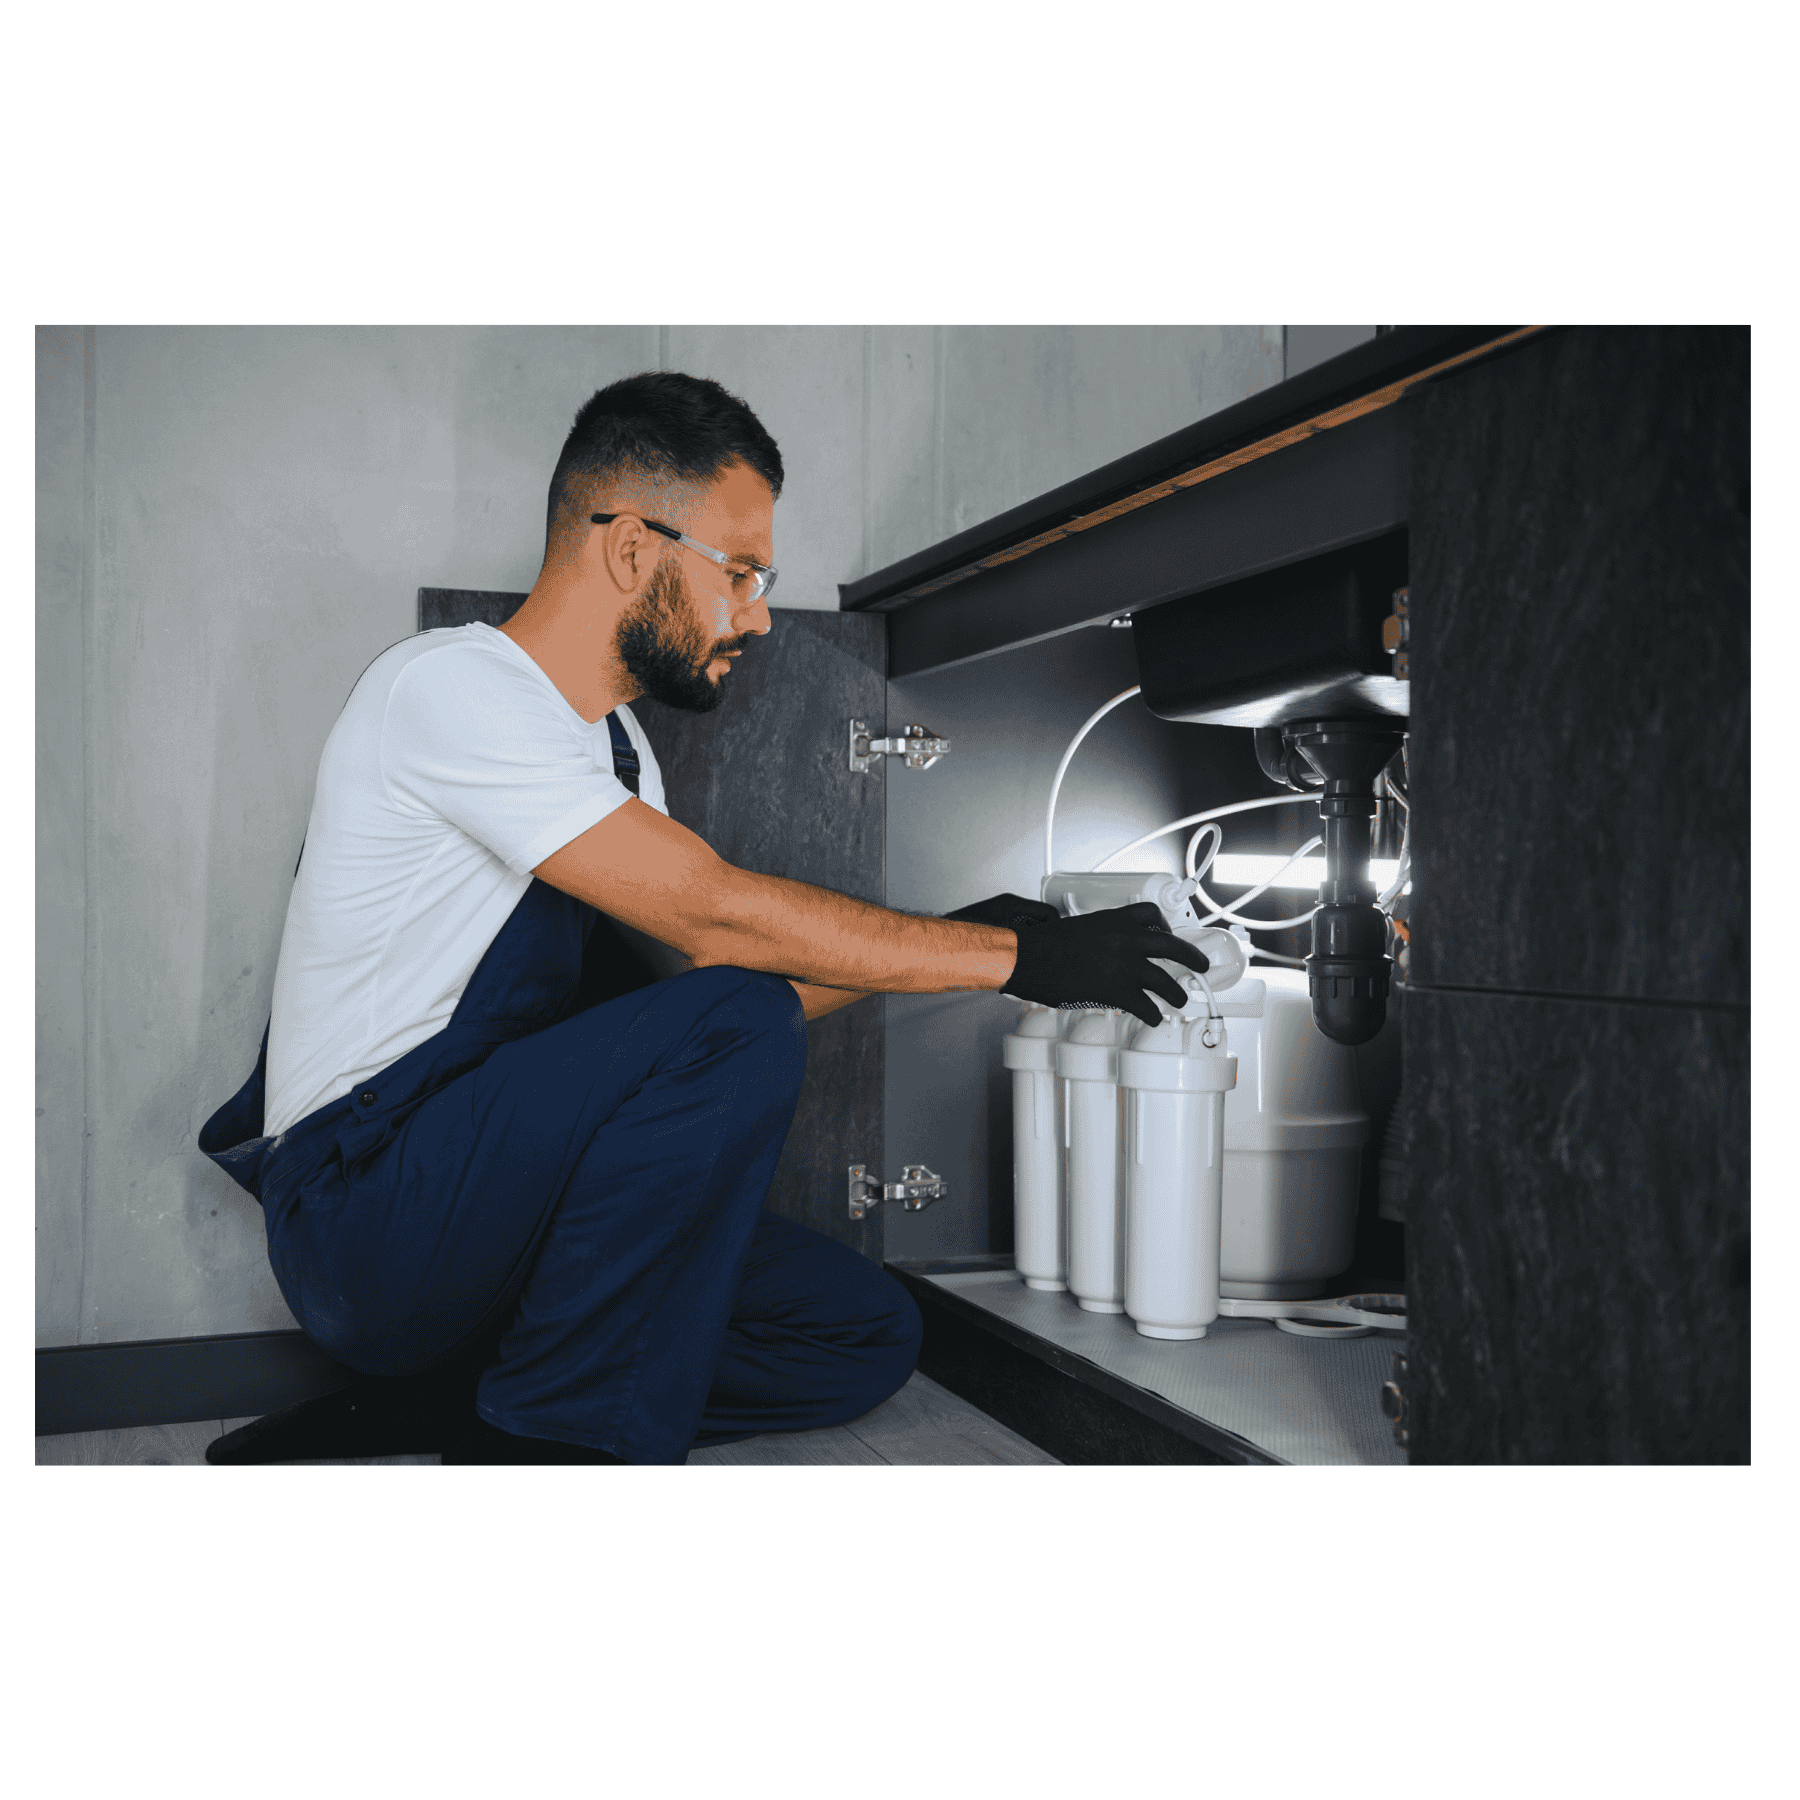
{"points": [[916, 1188], [1396, 636], [916, 743], [1393, 1397]]}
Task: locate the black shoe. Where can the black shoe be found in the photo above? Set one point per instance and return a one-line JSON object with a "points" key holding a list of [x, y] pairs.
{"points": [[474, 1440], [371, 1417]]}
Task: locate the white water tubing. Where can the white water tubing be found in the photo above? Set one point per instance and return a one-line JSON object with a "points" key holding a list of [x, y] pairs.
{"points": [[1197, 865], [1062, 769], [1402, 870], [1200, 818], [1224, 910], [1262, 887]]}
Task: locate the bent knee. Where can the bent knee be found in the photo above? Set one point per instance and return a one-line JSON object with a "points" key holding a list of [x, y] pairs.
{"points": [[891, 1350], [751, 988], [899, 1324], [761, 1003]]}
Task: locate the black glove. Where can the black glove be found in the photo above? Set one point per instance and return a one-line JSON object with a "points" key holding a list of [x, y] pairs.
{"points": [[1009, 911], [1102, 958]]}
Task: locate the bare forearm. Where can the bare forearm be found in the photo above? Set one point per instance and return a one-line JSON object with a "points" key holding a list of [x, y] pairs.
{"points": [[654, 875], [819, 937]]}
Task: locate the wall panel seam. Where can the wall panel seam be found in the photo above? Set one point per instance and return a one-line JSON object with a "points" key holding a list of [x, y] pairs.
{"points": [[1578, 996], [90, 527], [868, 484], [939, 480]]}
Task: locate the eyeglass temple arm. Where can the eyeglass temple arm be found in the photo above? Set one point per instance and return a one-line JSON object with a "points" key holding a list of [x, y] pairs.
{"points": [[679, 537]]}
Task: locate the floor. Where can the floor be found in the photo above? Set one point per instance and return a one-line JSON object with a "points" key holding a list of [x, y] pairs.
{"points": [[922, 1424]]}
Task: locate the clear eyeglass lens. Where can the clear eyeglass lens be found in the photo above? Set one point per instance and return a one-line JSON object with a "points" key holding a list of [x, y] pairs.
{"points": [[747, 584]]}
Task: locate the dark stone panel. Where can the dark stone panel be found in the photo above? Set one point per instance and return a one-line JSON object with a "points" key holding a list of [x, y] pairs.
{"points": [[1072, 1408], [765, 780], [440, 607], [1578, 1231], [1580, 625]]}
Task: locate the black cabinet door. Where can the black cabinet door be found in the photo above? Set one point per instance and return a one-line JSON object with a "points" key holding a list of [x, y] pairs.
{"points": [[1577, 1041], [765, 780]]}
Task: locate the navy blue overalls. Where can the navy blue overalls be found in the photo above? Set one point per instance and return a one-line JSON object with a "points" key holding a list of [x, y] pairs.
{"points": [[581, 1184]]}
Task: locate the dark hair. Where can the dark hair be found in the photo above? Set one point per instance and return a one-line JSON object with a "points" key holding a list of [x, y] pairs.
{"points": [[661, 425]]}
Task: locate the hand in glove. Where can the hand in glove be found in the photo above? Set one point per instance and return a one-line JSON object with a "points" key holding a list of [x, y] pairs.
{"points": [[1102, 958], [1009, 911]]}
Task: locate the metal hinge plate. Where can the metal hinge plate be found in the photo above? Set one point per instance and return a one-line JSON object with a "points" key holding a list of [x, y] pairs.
{"points": [[1393, 1397], [916, 743], [1396, 636], [916, 1188]]}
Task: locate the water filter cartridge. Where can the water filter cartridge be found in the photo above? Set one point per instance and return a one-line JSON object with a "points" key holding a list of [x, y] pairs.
{"points": [[1040, 1225], [1175, 1076], [1087, 1059]]}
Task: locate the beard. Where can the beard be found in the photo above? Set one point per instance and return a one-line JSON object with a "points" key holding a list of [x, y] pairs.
{"points": [[664, 648]]}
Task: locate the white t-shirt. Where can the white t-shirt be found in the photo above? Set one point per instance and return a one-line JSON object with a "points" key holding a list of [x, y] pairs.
{"points": [[454, 769]]}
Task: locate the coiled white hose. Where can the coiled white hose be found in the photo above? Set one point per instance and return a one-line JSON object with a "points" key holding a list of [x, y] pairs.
{"points": [[1197, 867], [1222, 910]]}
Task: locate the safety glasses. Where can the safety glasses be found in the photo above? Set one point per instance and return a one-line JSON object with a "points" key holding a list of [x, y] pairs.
{"points": [[739, 568]]}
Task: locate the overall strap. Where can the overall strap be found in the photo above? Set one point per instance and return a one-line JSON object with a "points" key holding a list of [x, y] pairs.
{"points": [[625, 758]]}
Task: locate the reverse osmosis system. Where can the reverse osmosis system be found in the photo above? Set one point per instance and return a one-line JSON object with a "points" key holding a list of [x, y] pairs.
{"points": [[1209, 1164]]}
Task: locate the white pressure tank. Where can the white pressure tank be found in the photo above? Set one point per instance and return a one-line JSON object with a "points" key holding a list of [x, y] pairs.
{"points": [[1294, 1135], [1175, 1076], [1087, 1060], [1040, 1215]]}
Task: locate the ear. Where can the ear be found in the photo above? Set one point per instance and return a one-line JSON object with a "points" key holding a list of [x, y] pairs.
{"points": [[624, 551]]}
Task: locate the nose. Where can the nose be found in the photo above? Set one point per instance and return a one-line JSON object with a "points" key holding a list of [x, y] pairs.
{"points": [[754, 618]]}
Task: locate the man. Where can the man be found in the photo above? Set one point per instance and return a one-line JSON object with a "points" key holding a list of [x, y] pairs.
{"points": [[544, 1180]]}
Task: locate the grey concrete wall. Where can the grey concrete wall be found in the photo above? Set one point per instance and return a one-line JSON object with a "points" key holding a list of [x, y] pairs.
{"points": [[1309, 345], [232, 524]]}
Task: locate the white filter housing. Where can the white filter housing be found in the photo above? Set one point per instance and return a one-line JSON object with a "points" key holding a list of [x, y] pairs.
{"points": [[1175, 1076], [1224, 953], [1072, 893], [1040, 1214], [1294, 1135], [1087, 1059]]}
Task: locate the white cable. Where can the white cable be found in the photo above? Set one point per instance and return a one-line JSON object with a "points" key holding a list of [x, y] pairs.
{"points": [[1223, 910], [1402, 875], [1212, 1005], [1197, 870], [1062, 769], [1232, 918], [1297, 962], [1199, 818], [1402, 869]]}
